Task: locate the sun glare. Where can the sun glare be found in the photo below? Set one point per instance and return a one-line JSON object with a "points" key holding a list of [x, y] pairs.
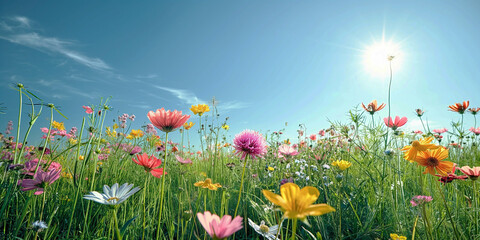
{"points": [[377, 57]]}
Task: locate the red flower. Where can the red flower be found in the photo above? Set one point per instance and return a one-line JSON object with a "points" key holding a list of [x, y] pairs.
{"points": [[474, 111], [150, 164], [458, 107], [398, 122]]}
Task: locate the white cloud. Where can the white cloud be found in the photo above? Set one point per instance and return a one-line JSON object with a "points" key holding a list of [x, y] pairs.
{"points": [[46, 44], [184, 95]]}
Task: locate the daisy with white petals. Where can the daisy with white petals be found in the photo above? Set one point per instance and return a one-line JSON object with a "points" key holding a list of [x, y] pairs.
{"points": [[262, 229], [114, 195]]}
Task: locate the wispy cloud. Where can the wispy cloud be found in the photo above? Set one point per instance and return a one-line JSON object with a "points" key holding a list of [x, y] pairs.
{"points": [[27, 37], [148, 76], [227, 106], [184, 95], [64, 88]]}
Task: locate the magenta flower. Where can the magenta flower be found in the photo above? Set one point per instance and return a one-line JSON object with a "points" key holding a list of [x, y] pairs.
{"points": [[440, 131], [420, 200], [250, 143], [219, 228], [88, 110], [40, 181], [167, 121], [321, 133], [398, 122]]}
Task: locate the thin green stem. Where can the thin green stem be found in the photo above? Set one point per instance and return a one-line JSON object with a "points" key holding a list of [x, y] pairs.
{"points": [[294, 229], [457, 235], [18, 128], [241, 184], [162, 190]]}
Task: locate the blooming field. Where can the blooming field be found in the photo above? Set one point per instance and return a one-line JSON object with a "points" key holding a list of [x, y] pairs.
{"points": [[364, 179]]}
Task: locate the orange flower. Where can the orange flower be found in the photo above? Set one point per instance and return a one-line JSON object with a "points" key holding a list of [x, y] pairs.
{"points": [[433, 161], [458, 107], [372, 107], [418, 146], [474, 111]]}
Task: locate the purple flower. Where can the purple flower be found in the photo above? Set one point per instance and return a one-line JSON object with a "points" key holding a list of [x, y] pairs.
{"points": [[40, 181], [9, 127], [420, 200], [286, 180], [151, 129], [73, 131], [135, 150], [250, 143]]}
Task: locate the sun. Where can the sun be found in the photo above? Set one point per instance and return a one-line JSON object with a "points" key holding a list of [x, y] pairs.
{"points": [[377, 57]]}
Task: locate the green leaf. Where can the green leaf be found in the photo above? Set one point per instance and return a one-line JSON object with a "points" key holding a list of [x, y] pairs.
{"points": [[60, 113], [122, 231]]}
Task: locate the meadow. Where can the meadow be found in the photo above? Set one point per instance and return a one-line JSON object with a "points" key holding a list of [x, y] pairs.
{"points": [[362, 178]]}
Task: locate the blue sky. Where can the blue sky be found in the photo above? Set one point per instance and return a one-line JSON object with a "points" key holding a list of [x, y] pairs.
{"points": [[266, 62]]}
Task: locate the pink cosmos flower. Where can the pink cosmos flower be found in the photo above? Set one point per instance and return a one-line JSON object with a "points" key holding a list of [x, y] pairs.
{"points": [[398, 122], [250, 143], [473, 173], [440, 131], [149, 164], [219, 228], [287, 150], [313, 137], [418, 132], [451, 176], [475, 130], [167, 121], [321, 133], [420, 200], [40, 181], [183, 161], [88, 110], [44, 130]]}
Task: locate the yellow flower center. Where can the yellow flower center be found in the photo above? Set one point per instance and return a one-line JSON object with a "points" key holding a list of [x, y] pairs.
{"points": [[432, 162], [112, 198], [264, 228]]}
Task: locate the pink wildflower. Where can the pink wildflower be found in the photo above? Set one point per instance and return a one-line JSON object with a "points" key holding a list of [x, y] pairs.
{"points": [[398, 122], [473, 173], [250, 143], [287, 150], [167, 121], [321, 132], [475, 130], [440, 131], [313, 137], [219, 228], [40, 180], [183, 161], [420, 200], [88, 110]]}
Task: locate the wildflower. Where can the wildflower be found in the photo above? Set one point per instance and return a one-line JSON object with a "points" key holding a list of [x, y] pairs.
{"points": [[135, 134], [342, 164], [420, 200], [225, 126], [418, 146], [183, 161], [58, 125], [81, 158], [200, 109], [321, 133], [250, 143], [286, 180], [167, 121], [440, 130], [389, 152], [326, 166], [313, 137], [262, 229], [219, 228], [433, 161], [418, 132], [372, 107], [271, 169], [207, 184], [419, 112], [474, 111], [287, 142], [476, 131], [394, 236], [39, 226], [9, 127], [135, 150], [396, 124], [88, 110], [67, 175], [112, 195], [473, 173], [40, 180], [287, 150], [149, 164], [296, 202], [188, 125], [151, 129], [458, 107]]}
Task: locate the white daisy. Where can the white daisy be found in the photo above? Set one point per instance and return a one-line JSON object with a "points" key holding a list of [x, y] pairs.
{"points": [[39, 225], [267, 232], [114, 195]]}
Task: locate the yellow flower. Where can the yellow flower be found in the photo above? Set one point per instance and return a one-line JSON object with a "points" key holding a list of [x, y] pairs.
{"points": [[418, 146], [110, 132], [188, 125], [81, 157], [287, 142], [115, 126], [67, 175], [208, 184], [297, 203], [225, 126], [72, 141], [394, 236], [135, 134], [342, 164], [203, 174], [58, 125], [270, 169], [200, 109]]}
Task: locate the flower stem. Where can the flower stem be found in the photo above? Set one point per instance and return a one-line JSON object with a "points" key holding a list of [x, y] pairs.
{"points": [[457, 235], [18, 128], [144, 206], [294, 229], [162, 191], [115, 221], [475, 206], [241, 184]]}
